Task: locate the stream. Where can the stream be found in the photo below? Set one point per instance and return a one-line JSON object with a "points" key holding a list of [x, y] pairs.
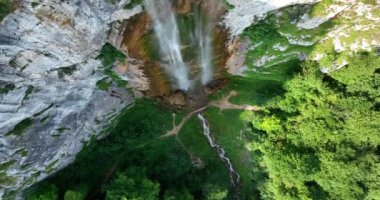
{"points": [[234, 176]]}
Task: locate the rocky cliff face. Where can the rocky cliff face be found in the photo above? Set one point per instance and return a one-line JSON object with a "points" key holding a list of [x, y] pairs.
{"points": [[49, 103], [245, 12], [301, 31]]}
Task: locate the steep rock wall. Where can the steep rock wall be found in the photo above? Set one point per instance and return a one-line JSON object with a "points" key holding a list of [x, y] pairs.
{"points": [[245, 12], [49, 103]]}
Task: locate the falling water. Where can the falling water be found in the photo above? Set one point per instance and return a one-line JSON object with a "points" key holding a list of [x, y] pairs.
{"points": [[166, 29], [203, 33], [235, 178], [167, 33]]}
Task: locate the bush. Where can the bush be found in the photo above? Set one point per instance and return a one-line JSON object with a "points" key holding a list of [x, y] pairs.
{"points": [[45, 192], [5, 8], [73, 195]]}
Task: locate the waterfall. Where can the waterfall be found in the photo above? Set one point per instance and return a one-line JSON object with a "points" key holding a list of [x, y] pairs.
{"points": [[234, 176], [205, 48], [166, 30]]}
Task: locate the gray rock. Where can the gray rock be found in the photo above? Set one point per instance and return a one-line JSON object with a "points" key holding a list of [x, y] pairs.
{"points": [[246, 12], [48, 53]]}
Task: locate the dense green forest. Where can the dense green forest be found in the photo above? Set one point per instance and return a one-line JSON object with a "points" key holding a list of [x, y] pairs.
{"points": [[143, 165], [321, 139], [316, 136]]}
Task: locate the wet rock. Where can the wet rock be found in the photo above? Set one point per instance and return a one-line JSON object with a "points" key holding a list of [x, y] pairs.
{"points": [[177, 99], [238, 52], [208, 90], [183, 6], [133, 72]]}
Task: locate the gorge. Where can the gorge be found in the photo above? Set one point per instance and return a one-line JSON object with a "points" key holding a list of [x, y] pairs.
{"points": [[189, 99]]}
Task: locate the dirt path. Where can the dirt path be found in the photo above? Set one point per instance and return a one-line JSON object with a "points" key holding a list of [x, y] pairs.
{"points": [[222, 104], [177, 128], [225, 104]]}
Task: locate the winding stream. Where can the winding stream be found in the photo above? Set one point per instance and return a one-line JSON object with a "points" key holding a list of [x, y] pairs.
{"points": [[234, 176]]}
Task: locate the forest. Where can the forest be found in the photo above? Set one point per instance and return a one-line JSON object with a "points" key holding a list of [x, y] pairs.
{"points": [[316, 136]]}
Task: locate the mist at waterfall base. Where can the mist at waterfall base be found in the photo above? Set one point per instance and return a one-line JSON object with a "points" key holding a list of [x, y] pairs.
{"points": [[169, 41]]}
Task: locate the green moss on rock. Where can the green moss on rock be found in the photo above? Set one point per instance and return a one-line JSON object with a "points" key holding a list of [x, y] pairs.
{"points": [[21, 127], [5, 88], [6, 165], [66, 71], [103, 84]]}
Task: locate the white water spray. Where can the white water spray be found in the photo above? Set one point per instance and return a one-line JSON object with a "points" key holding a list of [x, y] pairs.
{"points": [[203, 33], [167, 33]]}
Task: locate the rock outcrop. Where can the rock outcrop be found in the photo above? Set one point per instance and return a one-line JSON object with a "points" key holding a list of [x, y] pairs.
{"points": [[246, 12], [49, 102]]}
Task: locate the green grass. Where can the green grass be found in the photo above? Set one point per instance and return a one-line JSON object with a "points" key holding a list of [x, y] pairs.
{"points": [[256, 88], [226, 127], [228, 5], [261, 87], [268, 33], [28, 92], [284, 25], [21, 127], [133, 4], [62, 129], [4, 166], [191, 135], [151, 46], [34, 4], [103, 84], [6, 180], [22, 152], [5, 88], [320, 9], [50, 167], [109, 55], [370, 2], [115, 78]]}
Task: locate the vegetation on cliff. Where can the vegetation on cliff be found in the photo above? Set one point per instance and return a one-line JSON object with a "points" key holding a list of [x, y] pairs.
{"points": [[134, 162], [316, 135], [6, 7]]}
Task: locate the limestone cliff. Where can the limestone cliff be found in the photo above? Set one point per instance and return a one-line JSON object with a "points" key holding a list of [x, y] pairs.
{"points": [[49, 103]]}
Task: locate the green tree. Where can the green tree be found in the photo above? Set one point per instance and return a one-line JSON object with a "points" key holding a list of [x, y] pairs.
{"points": [[124, 187], [213, 192], [182, 194], [321, 139], [45, 192]]}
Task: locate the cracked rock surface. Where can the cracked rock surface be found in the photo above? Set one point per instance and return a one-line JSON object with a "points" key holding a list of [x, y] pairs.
{"points": [[49, 102]]}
